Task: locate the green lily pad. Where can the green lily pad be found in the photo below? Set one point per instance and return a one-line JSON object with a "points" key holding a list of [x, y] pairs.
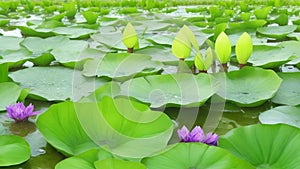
{"points": [[194, 155], [264, 146], [175, 89], [85, 160], [114, 40], [9, 93], [33, 31], [277, 32], [15, 58], [38, 45], [250, 86], [269, 56], [118, 164], [55, 83], [14, 150], [283, 114], [159, 53], [74, 32], [61, 128], [124, 127], [9, 43], [77, 56], [121, 65], [162, 39], [289, 91]]}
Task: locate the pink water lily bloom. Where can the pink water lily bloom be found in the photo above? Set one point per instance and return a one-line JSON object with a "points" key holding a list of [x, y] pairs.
{"points": [[197, 135], [19, 112]]}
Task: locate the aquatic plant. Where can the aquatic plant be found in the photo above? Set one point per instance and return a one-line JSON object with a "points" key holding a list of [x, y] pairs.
{"points": [[223, 49], [243, 49], [129, 38], [197, 135], [19, 112]]}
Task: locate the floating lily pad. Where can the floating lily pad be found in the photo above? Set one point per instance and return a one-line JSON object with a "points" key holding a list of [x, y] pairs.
{"points": [[114, 40], [33, 31], [289, 91], [9, 43], [124, 127], [55, 83], [264, 146], [250, 86], [277, 32], [118, 164], [61, 128], [171, 89], [194, 155], [15, 58], [14, 150], [74, 32], [85, 160], [9, 93], [38, 45], [282, 114], [159, 53], [121, 65], [77, 56], [269, 56]]}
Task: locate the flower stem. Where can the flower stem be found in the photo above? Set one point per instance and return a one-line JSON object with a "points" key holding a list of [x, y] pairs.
{"points": [[130, 50], [242, 65], [225, 67]]}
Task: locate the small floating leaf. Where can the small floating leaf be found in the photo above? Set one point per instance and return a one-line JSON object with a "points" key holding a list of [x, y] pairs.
{"points": [[223, 48], [283, 114], [14, 150], [243, 48]]}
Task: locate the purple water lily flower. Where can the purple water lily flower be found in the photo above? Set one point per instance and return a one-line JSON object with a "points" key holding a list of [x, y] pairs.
{"points": [[197, 135], [19, 112]]}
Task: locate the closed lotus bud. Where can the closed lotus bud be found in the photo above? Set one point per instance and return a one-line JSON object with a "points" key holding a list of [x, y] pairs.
{"points": [[243, 48], [223, 48], [129, 36]]}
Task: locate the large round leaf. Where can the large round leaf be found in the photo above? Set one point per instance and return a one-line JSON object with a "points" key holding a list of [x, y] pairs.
{"points": [[265, 146], [195, 155], [38, 45], [269, 56], [55, 83], [118, 164], [277, 32], [124, 127], [14, 150], [282, 114], [61, 128], [9, 43], [289, 91], [250, 86], [178, 89], [9, 93], [85, 160], [121, 65]]}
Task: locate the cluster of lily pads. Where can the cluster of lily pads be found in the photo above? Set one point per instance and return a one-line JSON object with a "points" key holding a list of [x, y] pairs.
{"points": [[105, 76]]}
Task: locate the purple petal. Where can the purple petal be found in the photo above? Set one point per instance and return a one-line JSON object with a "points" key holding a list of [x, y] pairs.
{"points": [[183, 133], [211, 139], [197, 134], [19, 112]]}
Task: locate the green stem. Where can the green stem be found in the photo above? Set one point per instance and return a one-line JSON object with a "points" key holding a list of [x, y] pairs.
{"points": [[4, 72]]}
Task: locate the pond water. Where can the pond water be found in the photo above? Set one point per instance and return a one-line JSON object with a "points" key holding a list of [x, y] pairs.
{"points": [[226, 115]]}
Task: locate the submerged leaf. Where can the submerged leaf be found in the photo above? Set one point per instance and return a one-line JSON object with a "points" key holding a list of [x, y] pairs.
{"points": [[243, 48], [223, 48]]}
